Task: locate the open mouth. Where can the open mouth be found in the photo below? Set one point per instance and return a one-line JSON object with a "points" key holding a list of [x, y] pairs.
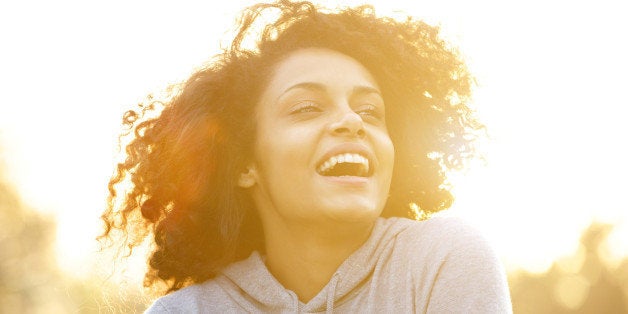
{"points": [[348, 164]]}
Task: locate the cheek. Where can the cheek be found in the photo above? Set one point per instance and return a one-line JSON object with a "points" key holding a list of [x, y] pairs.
{"points": [[391, 152], [283, 151], [386, 150]]}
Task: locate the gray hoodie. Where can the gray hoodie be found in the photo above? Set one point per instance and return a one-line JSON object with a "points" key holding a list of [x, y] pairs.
{"points": [[440, 265]]}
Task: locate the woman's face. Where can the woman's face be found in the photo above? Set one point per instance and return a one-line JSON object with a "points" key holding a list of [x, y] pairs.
{"points": [[322, 151]]}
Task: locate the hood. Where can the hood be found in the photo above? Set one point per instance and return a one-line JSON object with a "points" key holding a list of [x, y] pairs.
{"points": [[263, 292]]}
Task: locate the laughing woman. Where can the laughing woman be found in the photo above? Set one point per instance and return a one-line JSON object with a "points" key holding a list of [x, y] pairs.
{"points": [[297, 175]]}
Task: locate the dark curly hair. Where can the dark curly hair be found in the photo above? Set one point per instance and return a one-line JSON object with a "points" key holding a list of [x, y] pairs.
{"points": [[183, 160]]}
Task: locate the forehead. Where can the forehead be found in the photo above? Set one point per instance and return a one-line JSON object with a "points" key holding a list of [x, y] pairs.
{"points": [[321, 66]]}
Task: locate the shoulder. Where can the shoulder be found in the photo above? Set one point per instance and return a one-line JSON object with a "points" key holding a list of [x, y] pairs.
{"points": [[440, 234], [453, 265], [447, 241], [191, 299], [219, 294], [457, 265]]}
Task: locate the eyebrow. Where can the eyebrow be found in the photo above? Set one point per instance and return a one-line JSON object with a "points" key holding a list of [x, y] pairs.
{"points": [[306, 85], [361, 89]]}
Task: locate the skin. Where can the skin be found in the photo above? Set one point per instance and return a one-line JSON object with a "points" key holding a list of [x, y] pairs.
{"points": [[318, 103]]}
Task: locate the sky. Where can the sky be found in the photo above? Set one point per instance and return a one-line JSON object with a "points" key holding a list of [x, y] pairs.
{"points": [[551, 90]]}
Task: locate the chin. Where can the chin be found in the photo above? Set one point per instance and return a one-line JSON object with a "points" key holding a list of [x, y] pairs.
{"points": [[359, 213]]}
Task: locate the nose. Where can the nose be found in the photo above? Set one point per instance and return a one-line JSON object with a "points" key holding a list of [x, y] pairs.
{"points": [[348, 123]]}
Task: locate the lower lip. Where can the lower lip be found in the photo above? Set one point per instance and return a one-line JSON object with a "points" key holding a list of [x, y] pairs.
{"points": [[348, 180]]}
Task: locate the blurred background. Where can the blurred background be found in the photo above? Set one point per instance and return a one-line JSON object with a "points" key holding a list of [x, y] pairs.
{"points": [[550, 193]]}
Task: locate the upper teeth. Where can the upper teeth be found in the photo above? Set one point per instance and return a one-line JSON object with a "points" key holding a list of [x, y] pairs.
{"points": [[344, 158]]}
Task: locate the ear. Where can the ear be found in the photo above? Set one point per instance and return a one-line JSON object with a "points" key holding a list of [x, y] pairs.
{"points": [[247, 178]]}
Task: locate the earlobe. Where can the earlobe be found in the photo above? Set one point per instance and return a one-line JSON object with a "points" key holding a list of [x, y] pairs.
{"points": [[247, 178]]}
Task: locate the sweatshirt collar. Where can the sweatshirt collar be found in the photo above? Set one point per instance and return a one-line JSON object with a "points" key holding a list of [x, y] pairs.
{"points": [[253, 277]]}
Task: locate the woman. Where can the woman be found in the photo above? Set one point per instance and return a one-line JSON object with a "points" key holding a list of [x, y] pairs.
{"points": [[267, 179]]}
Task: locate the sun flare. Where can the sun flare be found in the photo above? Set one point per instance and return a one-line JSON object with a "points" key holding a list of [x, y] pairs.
{"points": [[554, 161]]}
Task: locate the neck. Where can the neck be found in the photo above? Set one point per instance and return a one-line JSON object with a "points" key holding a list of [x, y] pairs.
{"points": [[304, 258]]}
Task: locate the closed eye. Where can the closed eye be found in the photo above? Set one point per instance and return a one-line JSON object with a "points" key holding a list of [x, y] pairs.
{"points": [[306, 107], [370, 112]]}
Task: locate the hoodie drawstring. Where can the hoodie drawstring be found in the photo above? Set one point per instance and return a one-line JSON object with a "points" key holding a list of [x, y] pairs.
{"points": [[331, 292]]}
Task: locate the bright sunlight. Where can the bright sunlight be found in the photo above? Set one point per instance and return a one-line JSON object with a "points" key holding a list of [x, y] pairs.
{"points": [[550, 89]]}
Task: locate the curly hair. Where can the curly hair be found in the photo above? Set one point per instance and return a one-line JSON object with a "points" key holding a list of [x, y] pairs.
{"points": [[184, 161]]}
